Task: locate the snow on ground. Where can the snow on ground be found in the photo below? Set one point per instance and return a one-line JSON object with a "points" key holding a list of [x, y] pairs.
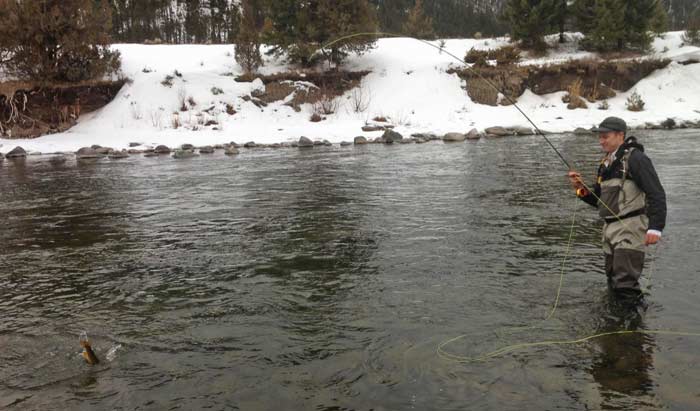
{"points": [[408, 84]]}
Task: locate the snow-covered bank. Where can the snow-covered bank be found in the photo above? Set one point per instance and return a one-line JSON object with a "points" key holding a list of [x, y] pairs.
{"points": [[408, 84]]}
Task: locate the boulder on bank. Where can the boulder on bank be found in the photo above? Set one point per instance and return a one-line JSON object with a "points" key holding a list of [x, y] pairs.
{"points": [[581, 131], [523, 131], [187, 147], [162, 149], [498, 131], [250, 144], [104, 151], [116, 155], [87, 153], [17, 152], [425, 136], [305, 142], [391, 136], [345, 143], [231, 151], [369, 129], [180, 154], [206, 150], [473, 134], [360, 140], [57, 160], [454, 137]]}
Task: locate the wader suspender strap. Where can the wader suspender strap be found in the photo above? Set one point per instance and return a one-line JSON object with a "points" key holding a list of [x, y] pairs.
{"points": [[625, 171]]}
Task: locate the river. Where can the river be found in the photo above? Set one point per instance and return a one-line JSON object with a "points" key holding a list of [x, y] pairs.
{"points": [[327, 278]]}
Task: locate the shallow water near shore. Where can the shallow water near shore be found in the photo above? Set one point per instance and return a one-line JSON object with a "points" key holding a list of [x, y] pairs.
{"points": [[326, 279]]}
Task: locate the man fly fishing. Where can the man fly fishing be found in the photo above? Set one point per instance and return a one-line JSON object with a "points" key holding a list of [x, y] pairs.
{"points": [[632, 203]]}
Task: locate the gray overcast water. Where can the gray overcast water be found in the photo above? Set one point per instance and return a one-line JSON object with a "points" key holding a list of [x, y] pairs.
{"points": [[326, 279]]}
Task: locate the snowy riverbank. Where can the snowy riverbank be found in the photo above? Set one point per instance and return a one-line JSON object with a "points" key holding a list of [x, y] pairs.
{"points": [[408, 84]]}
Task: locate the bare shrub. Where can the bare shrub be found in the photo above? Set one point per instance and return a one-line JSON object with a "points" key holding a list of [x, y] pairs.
{"points": [[635, 102], [315, 118], [574, 88], [175, 121], [604, 105], [476, 57], [216, 91], [182, 98], [327, 102], [168, 81], [156, 117], [191, 102], [360, 99], [402, 118], [573, 97], [505, 55], [136, 113]]}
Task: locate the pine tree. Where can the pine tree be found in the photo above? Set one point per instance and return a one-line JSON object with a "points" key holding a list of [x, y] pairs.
{"points": [[58, 40], [300, 28], [418, 24], [659, 21], [692, 34], [637, 23], [344, 18], [530, 20], [561, 13], [391, 14], [584, 12], [616, 24], [607, 32], [248, 39]]}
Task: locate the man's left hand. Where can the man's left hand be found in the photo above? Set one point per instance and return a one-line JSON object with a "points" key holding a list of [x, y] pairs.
{"points": [[652, 238]]}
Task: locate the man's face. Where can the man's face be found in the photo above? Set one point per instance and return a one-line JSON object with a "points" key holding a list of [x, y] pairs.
{"points": [[611, 140]]}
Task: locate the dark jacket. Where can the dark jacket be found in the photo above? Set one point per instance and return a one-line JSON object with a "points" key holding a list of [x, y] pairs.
{"points": [[642, 172]]}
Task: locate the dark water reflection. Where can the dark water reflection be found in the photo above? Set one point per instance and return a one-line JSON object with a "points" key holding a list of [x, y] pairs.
{"points": [[325, 279]]}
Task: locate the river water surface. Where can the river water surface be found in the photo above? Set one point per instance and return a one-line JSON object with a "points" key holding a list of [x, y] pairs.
{"points": [[326, 279]]}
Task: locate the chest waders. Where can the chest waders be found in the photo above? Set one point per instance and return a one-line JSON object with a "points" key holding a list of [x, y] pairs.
{"points": [[624, 232]]}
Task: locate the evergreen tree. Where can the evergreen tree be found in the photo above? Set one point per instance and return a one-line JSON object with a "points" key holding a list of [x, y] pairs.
{"points": [[300, 28], [58, 40], [391, 14], [561, 13], [616, 24], [637, 23], [418, 24], [248, 39], [607, 32], [344, 18], [584, 12], [659, 21], [530, 20], [692, 34]]}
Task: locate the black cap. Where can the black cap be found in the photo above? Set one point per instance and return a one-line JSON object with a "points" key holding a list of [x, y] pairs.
{"points": [[611, 124]]}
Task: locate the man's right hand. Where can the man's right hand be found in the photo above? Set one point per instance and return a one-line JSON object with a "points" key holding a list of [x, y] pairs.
{"points": [[575, 180]]}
